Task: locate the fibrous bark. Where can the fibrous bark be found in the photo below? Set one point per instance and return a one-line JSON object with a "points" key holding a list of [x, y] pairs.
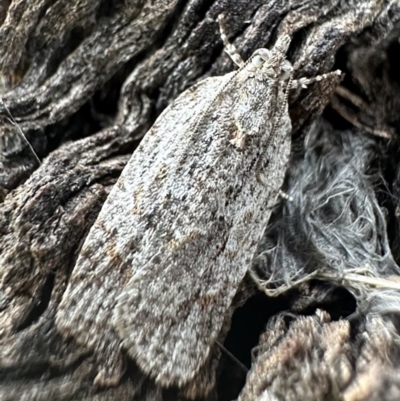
{"points": [[84, 80]]}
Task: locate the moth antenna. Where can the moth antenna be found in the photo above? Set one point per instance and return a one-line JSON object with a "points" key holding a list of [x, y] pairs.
{"points": [[303, 82], [229, 47]]}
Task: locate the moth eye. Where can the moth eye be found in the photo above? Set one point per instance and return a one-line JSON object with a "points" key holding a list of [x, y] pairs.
{"points": [[257, 61], [284, 75], [286, 69]]}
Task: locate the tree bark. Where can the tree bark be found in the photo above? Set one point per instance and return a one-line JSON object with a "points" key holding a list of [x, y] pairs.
{"points": [[80, 84]]}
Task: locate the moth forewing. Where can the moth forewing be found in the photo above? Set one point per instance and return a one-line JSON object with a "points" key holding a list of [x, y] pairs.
{"points": [[170, 313], [160, 266], [111, 251]]}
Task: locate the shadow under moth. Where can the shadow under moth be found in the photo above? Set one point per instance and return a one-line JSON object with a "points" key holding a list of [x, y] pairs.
{"points": [[159, 268]]}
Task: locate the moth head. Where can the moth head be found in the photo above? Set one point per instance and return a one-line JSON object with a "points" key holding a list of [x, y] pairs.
{"points": [[259, 58], [272, 63]]}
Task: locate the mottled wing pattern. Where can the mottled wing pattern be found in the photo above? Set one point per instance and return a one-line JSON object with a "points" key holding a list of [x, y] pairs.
{"points": [[177, 233], [208, 214], [124, 228]]}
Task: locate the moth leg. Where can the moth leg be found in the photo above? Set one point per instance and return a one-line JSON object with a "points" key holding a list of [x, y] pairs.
{"points": [[303, 82], [229, 47], [285, 196]]}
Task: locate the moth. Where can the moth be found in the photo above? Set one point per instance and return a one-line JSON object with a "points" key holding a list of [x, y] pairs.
{"points": [[177, 233]]}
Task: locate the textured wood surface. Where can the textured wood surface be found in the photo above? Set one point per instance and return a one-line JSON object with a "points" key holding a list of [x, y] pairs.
{"points": [[84, 80]]}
